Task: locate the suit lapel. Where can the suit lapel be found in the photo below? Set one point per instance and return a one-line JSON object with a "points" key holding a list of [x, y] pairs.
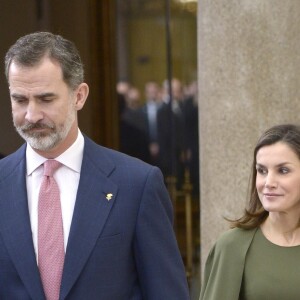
{"points": [[16, 229], [95, 198]]}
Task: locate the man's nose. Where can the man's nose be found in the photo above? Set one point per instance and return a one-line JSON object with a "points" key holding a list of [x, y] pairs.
{"points": [[33, 112]]}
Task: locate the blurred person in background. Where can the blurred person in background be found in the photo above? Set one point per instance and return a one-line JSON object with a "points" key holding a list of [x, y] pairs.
{"points": [[133, 139], [171, 130], [150, 111]]}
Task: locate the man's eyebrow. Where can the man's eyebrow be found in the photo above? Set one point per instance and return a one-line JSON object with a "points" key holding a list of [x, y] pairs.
{"points": [[43, 95], [17, 96]]}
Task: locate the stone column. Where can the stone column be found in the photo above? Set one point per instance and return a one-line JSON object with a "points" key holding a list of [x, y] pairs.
{"points": [[249, 74]]}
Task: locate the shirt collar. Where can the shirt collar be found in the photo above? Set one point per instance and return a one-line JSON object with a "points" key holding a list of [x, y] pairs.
{"points": [[71, 158]]}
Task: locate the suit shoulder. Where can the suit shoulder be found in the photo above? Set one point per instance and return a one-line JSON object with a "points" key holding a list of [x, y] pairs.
{"points": [[123, 158], [109, 159], [111, 154], [11, 161]]}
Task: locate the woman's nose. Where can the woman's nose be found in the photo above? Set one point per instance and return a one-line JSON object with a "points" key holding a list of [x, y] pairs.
{"points": [[271, 181]]}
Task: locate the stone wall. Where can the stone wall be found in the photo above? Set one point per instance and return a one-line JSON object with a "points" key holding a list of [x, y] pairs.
{"points": [[249, 72]]}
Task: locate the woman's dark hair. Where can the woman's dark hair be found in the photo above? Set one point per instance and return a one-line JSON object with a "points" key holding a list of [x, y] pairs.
{"points": [[254, 214]]}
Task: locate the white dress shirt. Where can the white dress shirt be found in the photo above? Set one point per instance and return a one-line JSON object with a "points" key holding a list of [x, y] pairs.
{"points": [[67, 178]]}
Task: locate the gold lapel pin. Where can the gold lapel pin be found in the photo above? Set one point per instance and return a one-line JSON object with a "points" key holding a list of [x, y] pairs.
{"points": [[109, 196]]}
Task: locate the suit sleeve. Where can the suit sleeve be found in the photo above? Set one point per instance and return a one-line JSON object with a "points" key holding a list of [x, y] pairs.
{"points": [[158, 260]]}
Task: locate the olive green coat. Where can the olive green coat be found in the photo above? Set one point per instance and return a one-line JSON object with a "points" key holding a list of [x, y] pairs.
{"points": [[225, 265]]}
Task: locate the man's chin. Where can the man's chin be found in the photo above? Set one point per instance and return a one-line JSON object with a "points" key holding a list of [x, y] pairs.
{"points": [[41, 142]]}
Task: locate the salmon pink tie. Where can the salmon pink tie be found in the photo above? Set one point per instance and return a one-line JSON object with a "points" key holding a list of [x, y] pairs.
{"points": [[51, 252]]}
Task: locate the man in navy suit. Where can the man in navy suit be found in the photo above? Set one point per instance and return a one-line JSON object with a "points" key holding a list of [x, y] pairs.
{"points": [[117, 215]]}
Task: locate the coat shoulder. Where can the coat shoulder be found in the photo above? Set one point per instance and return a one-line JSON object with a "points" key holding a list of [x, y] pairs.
{"points": [[234, 239]]}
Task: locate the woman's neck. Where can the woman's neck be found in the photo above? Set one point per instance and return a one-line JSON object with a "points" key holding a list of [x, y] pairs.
{"points": [[282, 230]]}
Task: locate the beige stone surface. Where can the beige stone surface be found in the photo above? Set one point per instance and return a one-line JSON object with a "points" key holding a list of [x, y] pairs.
{"points": [[249, 72]]}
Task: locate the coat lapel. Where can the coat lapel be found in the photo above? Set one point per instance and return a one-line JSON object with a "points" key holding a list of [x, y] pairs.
{"points": [[16, 229], [95, 198]]}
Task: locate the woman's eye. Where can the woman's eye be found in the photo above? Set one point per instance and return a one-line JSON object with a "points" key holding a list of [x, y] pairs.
{"points": [[284, 170], [261, 170]]}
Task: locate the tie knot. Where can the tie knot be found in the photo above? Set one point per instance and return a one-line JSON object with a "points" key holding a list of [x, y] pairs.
{"points": [[50, 166]]}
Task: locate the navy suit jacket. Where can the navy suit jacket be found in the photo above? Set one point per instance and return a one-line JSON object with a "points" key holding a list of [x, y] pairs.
{"points": [[124, 248]]}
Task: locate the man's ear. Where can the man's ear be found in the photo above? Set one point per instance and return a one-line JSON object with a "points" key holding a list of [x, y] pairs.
{"points": [[81, 94]]}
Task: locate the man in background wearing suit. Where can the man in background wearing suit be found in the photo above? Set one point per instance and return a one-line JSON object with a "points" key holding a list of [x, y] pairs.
{"points": [[117, 236]]}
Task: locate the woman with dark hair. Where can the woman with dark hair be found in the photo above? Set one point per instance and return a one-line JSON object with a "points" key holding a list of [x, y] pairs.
{"points": [[259, 257]]}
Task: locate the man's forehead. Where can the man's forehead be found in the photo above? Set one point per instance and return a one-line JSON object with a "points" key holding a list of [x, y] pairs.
{"points": [[44, 61], [46, 68]]}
